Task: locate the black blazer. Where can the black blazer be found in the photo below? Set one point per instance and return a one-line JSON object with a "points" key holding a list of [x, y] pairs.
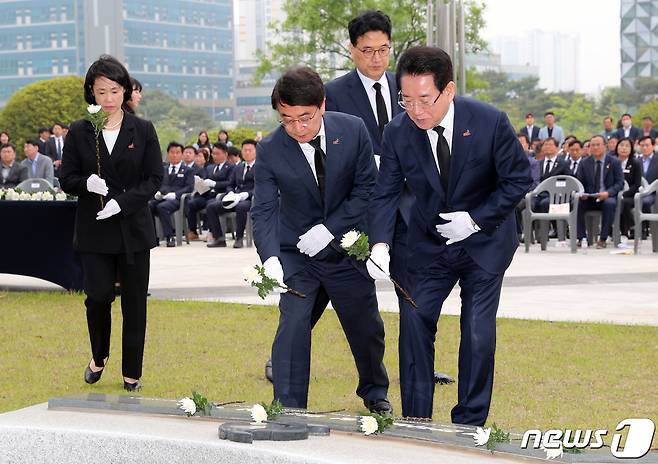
{"points": [[634, 134], [133, 174], [17, 174], [531, 137], [198, 170], [239, 182], [180, 183], [613, 178], [222, 177], [558, 168], [633, 175], [51, 148]]}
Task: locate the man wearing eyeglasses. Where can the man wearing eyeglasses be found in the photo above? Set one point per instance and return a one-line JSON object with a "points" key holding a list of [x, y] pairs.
{"points": [[466, 168], [314, 178]]}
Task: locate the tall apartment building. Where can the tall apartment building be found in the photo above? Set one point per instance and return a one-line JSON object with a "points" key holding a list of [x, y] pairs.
{"points": [[639, 40]]}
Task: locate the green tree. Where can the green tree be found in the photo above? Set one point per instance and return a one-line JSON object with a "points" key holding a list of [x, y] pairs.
{"points": [[41, 104], [647, 109], [317, 32]]}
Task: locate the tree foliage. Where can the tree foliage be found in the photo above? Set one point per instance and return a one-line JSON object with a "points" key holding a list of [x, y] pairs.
{"points": [[315, 32], [41, 104], [647, 109]]}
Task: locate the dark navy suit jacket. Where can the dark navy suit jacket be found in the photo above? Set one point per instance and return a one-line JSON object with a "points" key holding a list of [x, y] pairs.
{"points": [[222, 177], [346, 94], [634, 134], [613, 177], [489, 174], [240, 182], [180, 183], [652, 171], [287, 199]]}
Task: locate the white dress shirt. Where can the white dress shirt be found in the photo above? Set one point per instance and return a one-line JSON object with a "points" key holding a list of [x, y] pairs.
{"points": [[309, 151], [372, 93], [447, 123], [110, 137]]}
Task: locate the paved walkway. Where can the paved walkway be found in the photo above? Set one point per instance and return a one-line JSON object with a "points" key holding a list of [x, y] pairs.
{"points": [[552, 285]]}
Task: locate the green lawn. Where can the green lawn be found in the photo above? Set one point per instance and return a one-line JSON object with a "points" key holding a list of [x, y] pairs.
{"points": [[548, 375]]}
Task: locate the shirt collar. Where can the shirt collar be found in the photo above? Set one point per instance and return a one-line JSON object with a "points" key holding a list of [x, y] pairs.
{"points": [[448, 120], [176, 166], [368, 83], [321, 134]]}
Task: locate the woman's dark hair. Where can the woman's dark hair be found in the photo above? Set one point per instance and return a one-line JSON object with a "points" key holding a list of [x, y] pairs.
{"points": [[135, 84], [624, 139], [109, 67], [298, 86], [367, 21], [6, 133], [223, 132], [198, 139], [425, 60]]}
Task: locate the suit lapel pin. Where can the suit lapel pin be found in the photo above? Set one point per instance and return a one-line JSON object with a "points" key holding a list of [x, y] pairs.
{"points": [[467, 133], [131, 146], [336, 142]]}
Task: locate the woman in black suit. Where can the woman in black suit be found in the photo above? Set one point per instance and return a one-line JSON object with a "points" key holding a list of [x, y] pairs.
{"points": [[114, 230], [633, 175]]}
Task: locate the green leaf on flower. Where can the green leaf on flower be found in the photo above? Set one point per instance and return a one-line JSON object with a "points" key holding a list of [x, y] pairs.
{"points": [[273, 409], [384, 420], [496, 436], [203, 406]]}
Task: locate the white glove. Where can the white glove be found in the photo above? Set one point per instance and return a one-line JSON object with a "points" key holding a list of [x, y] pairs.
{"points": [[230, 200], [243, 196], [379, 254], [209, 183], [169, 196], [96, 185], [111, 208], [315, 240], [274, 270], [459, 226], [158, 196]]}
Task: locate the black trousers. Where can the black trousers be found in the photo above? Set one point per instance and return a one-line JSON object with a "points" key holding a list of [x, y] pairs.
{"points": [[214, 208], [100, 273]]}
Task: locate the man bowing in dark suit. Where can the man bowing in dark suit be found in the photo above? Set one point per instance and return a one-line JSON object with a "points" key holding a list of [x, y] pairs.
{"points": [[467, 170], [314, 176]]}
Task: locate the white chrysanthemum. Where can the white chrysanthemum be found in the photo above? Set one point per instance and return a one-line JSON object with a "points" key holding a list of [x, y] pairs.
{"points": [[251, 275], [47, 196], [554, 453], [24, 196], [93, 109], [481, 436], [258, 413], [37, 196], [11, 195], [61, 196], [349, 239], [187, 405], [369, 425]]}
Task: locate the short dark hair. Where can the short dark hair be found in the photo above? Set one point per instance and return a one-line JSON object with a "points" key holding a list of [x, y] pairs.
{"points": [[425, 60], [580, 144], [647, 117], [644, 138], [189, 147], [521, 134], [550, 139], [32, 142], [549, 113], [174, 144], [626, 114], [109, 67], [135, 84], [249, 142], [597, 136], [298, 86], [607, 118], [56, 124], [7, 145], [371, 20], [234, 151], [42, 130], [529, 115], [220, 146], [613, 136]]}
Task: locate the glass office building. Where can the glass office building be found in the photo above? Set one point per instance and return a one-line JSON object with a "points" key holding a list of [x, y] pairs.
{"points": [[182, 47], [639, 40]]}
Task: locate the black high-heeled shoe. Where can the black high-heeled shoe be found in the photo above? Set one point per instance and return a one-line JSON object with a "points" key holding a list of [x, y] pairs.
{"points": [[91, 376], [131, 387]]}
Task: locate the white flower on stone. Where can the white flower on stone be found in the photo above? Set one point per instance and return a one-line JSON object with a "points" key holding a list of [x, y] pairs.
{"points": [[554, 453], [481, 436], [349, 239], [369, 425], [61, 196], [187, 405], [47, 196], [258, 413], [251, 275], [93, 109]]}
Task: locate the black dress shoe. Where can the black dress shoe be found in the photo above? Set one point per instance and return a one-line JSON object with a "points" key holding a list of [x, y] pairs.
{"points": [[238, 243], [91, 376], [442, 379], [268, 370], [131, 387], [381, 406], [216, 244], [171, 242]]}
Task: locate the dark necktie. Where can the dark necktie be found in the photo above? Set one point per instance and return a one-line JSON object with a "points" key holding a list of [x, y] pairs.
{"points": [[172, 172], [382, 114], [214, 173], [597, 177], [574, 167], [59, 149], [246, 171], [443, 155], [320, 160], [547, 168]]}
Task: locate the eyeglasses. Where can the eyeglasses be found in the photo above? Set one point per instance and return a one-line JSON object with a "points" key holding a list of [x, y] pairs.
{"points": [[424, 103], [304, 120], [382, 51]]}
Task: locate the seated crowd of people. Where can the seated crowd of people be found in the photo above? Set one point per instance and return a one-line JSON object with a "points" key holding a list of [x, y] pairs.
{"points": [[602, 164], [218, 177]]}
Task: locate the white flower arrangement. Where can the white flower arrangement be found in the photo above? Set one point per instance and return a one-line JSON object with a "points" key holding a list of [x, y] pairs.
{"points": [[24, 196], [368, 425], [37, 196], [47, 196], [12, 195], [60, 196], [258, 413]]}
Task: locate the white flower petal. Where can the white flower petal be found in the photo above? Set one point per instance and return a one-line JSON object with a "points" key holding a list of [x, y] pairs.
{"points": [[187, 405], [258, 413], [349, 239], [251, 275], [93, 109], [481, 436], [369, 425]]}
